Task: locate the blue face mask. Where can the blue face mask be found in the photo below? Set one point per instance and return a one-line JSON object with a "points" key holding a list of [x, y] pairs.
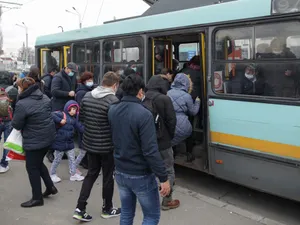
{"points": [[89, 84], [71, 74]]}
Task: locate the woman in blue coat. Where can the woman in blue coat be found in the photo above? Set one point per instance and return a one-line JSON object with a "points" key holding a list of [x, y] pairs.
{"points": [[184, 106]]}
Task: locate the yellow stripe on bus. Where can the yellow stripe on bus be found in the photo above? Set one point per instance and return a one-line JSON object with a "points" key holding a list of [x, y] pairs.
{"points": [[256, 144]]}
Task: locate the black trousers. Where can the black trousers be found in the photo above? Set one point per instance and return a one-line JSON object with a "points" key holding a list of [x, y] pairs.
{"points": [[95, 163], [36, 170]]}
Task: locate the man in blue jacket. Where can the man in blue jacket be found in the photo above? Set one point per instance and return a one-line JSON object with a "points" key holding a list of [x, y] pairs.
{"points": [[137, 158]]}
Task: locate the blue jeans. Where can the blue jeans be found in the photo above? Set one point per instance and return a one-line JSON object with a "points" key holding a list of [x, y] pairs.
{"points": [[145, 189], [5, 128]]}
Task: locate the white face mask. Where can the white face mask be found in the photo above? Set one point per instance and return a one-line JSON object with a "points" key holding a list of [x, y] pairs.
{"points": [[249, 76], [90, 83]]}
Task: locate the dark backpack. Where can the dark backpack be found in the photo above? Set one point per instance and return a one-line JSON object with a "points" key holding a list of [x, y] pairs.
{"points": [[149, 104]]}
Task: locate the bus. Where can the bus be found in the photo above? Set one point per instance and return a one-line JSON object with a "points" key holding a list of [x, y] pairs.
{"points": [[250, 138]]}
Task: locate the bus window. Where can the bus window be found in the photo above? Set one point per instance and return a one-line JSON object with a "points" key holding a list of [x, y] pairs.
{"points": [[122, 55], [79, 53], [234, 44], [93, 52], [186, 52]]}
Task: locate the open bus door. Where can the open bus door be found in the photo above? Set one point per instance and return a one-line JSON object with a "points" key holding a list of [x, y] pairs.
{"points": [[162, 54], [57, 57]]}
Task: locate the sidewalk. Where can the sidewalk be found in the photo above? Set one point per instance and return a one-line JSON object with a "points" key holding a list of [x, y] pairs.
{"points": [[195, 209]]}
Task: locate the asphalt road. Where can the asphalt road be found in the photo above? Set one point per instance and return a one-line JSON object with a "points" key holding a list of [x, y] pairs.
{"points": [[276, 208]]}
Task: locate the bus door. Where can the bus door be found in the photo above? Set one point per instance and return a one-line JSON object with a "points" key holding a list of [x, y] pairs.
{"points": [[162, 54], [66, 55], [53, 58]]}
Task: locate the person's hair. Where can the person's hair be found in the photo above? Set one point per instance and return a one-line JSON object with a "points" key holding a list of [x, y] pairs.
{"points": [[86, 76], [132, 84], [73, 107], [53, 69], [34, 73], [25, 83], [165, 71], [110, 78], [129, 71]]}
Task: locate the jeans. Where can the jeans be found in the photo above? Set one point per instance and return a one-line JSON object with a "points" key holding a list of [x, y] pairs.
{"points": [[95, 163], [5, 128], [36, 170], [141, 188], [58, 155], [168, 158]]}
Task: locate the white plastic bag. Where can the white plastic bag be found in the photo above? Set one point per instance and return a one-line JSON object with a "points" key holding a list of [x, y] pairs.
{"points": [[14, 142]]}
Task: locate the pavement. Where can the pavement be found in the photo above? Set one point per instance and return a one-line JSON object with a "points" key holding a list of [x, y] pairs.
{"points": [[195, 208]]}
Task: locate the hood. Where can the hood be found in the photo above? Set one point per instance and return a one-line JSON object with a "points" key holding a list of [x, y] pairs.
{"points": [[12, 92], [159, 84], [182, 82], [101, 92], [69, 104], [82, 87], [33, 91]]}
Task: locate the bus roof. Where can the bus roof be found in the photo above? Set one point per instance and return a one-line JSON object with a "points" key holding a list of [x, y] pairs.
{"points": [[228, 11]]}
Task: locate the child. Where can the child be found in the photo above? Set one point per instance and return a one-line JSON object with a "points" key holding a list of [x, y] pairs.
{"points": [[66, 122]]}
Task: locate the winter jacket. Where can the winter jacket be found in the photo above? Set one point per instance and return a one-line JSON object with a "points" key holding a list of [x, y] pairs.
{"points": [[136, 150], [64, 140], [93, 114], [47, 84], [194, 72], [157, 89], [33, 117], [61, 85], [184, 106], [81, 91]]}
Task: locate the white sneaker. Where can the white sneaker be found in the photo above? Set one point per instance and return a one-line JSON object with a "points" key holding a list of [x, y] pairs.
{"points": [[77, 171], [76, 177], [55, 178], [4, 169]]}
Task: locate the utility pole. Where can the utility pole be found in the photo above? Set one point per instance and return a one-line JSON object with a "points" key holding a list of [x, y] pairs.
{"points": [[77, 14]]}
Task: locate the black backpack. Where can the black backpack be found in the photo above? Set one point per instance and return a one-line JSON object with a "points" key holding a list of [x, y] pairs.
{"points": [[159, 123]]}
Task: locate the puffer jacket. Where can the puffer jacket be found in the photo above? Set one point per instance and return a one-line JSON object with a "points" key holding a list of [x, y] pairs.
{"points": [[97, 136], [33, 117], [184, 106], [81, 91], [64, 140], [156, 90]]}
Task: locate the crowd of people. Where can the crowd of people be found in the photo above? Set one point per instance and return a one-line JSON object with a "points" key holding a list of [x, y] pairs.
{"points": [[125, 128]]}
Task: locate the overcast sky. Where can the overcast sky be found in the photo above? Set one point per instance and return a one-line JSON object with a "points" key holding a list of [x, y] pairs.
{"points": [[44, 16]]}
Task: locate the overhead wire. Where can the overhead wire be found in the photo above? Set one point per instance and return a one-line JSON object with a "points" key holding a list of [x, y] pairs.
{"points": [[87, 3], [100, 11]]}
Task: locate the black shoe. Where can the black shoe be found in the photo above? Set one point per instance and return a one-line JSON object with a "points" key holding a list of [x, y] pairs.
{"points": [[32, 203], [113, 212], [50, 157], [52, 191]]}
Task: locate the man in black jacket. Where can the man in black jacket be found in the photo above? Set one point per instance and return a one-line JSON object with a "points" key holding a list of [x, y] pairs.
{"points": [[97, 141], [156, 95], [63, 87], [136, 154]]}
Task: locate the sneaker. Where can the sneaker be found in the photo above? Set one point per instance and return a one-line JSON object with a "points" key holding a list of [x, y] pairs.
{"points": [[76, 177], [82, 216], [113, 212], [170, 205], [55, 178], [78, 172], [4, 169]]}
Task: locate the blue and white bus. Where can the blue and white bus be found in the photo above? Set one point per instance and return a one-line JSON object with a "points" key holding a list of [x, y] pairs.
{"points": [[250, 136]]}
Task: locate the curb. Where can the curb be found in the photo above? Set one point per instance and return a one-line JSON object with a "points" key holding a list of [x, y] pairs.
{"points": [[233, 209]]}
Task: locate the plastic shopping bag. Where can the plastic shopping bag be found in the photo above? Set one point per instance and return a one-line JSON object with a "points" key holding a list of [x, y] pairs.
{"points": [[14, 156], [14, 142]]}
